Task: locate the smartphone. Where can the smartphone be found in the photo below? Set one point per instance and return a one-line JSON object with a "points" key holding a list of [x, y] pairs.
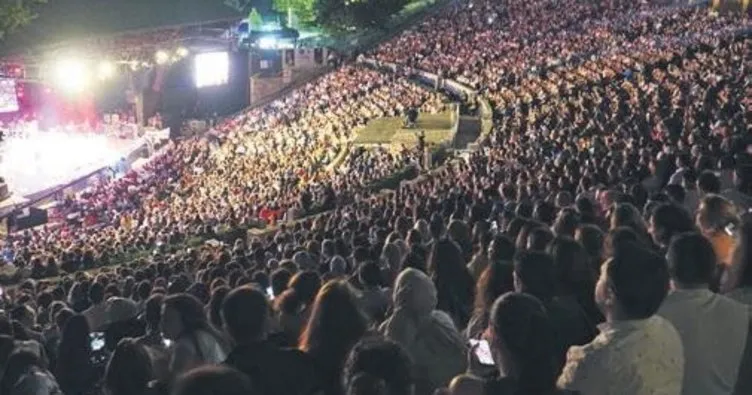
{"points": [[97, 341], [167, 342], [483, 352], [730, 229], [270, 292]]}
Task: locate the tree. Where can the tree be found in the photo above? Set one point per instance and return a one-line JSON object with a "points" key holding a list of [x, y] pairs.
{"points": [[297, 11], [255, 21], [348, 15], [16, 13]]}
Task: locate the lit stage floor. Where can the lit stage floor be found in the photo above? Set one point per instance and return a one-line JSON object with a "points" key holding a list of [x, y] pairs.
{"points": [[46, 160]]}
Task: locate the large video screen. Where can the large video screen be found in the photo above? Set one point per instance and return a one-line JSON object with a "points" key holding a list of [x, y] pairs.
{"points": [[212, 68], [8, 98]]}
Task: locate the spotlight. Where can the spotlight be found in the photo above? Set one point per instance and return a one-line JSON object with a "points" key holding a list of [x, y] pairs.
{"points": [[161, 57], [70, 75], [182, 52], [106, 70]]}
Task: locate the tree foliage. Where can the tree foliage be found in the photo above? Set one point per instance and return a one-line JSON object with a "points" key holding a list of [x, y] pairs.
{"points": [[302, 11], [16, 13], [255, 21], [347, 15], [340, 15]]}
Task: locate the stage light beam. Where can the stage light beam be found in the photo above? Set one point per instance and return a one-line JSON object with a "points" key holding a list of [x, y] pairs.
{"points": [[106, 70], [71, 75], [161, 57]]}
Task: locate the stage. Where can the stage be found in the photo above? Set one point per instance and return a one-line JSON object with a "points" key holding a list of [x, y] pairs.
{"points": [[39, 164]]}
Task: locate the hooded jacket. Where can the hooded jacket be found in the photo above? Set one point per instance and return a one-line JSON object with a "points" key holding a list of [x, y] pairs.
{"points": [[428, 335]]}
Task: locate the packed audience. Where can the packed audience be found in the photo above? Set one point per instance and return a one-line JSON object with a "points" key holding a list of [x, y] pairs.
{"points": [[597, 243], [270, 165]]}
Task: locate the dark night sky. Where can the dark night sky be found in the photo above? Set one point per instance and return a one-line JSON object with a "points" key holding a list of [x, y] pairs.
{"points": [[62, 20]]}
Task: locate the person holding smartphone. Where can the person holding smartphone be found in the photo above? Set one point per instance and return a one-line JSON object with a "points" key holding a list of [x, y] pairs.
{"points": [[515, 355]]}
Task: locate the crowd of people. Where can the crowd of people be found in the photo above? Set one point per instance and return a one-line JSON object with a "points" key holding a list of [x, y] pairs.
{"points": [[598, 242], [269, 166]]}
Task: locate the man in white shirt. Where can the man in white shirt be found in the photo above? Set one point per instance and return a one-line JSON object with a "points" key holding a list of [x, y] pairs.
{"points": [[713, 328], [636, 352]]}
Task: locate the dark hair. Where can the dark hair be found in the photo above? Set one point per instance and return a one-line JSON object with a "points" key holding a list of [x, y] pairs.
{"points": [[570, 262], [335, 325], [153, 310], [383, 360], [669, 220], [495, 280], [214, 380], [62, 317], [592, 238], [365, 384], [369, 274], [455, 286], [279, 280], [708, 182], [460, 234], [639, 280], [215, 305], [6, 328], [676, 193], [741, 259], [519, 322], [74, 351], [538, 238], [691, 259], [535, 274], [191, 313], [17, 364], [96, 293], [7, 345], [129, 370], [245, 312], [306, 285]]}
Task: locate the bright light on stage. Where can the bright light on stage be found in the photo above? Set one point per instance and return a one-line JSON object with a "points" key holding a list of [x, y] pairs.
{"points": [[182, 52], [161, 57], [106, 70], [71, 75], [211, 69]]}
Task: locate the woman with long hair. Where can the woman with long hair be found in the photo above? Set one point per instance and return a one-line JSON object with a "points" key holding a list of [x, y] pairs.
{"points": [[738, 285], [195, 341], [495, 281], [335, 325], [717, 219], [75, 371], [293, 307], [454, 284], [129, 370], [625, 214]]}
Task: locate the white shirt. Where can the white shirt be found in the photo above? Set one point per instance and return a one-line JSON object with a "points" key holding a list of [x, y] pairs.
{"points": [[642, 357], [713, 330], [741, 295]]}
